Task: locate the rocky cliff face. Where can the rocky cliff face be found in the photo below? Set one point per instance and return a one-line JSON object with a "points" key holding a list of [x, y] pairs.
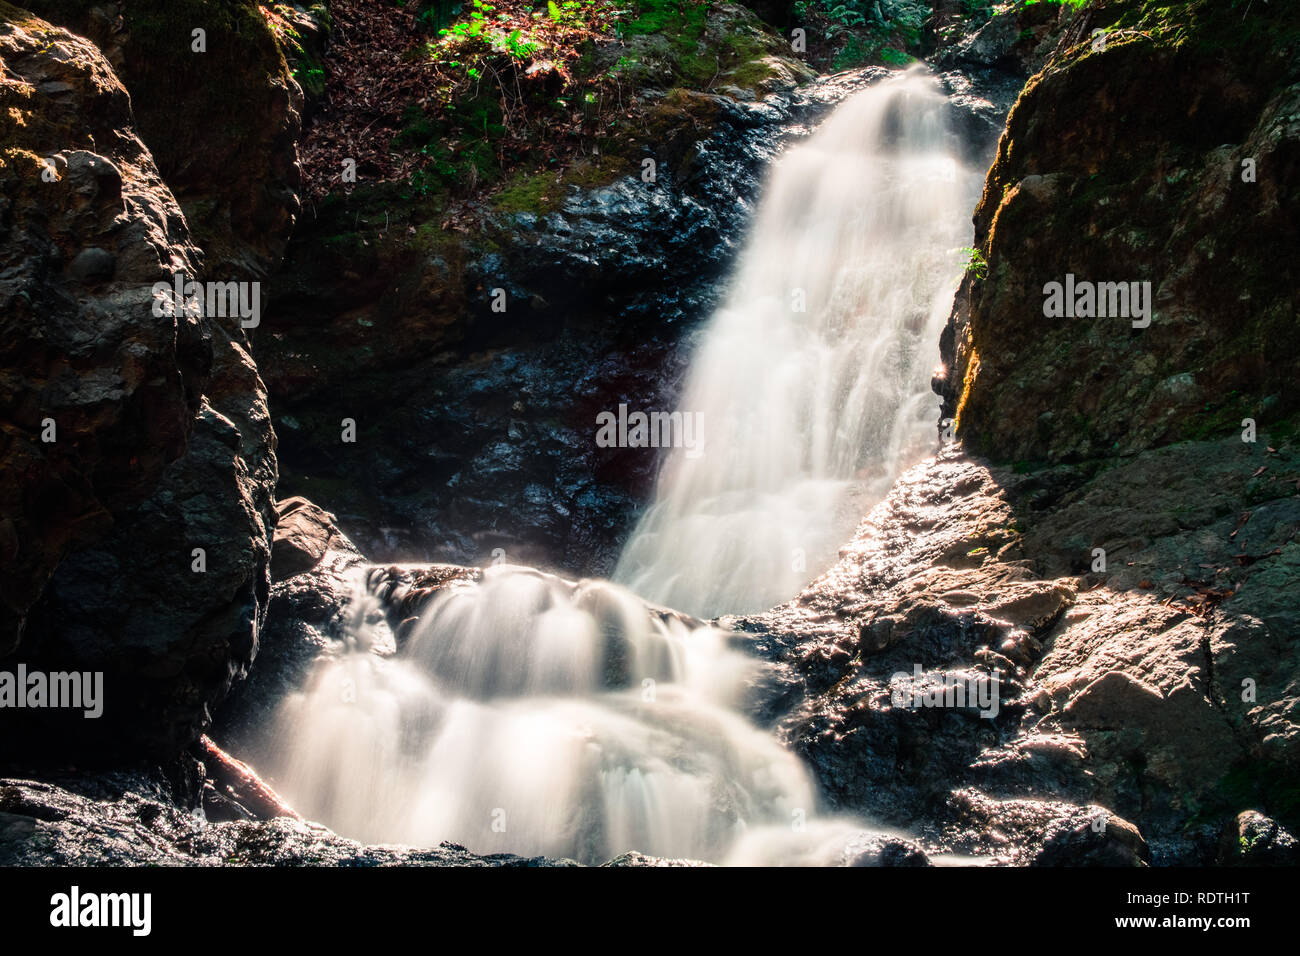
{"points": [[1101, 179], [132, 441], [221, 113]]}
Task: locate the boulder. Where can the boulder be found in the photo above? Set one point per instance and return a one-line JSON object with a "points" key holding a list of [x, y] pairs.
{"points": [[1256, 840], [304, 534]]}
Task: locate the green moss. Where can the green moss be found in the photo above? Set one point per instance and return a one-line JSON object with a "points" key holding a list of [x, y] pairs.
{"points": [[460, 144], [537, 193], [681, 23], [683, 19], [1236, 27]]}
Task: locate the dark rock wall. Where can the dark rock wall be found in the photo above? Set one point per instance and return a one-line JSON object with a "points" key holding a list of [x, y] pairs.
{"points": [[222, 124], [163, 442]]}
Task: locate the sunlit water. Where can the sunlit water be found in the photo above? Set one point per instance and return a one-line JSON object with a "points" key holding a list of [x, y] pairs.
{"points": [[812, 381], [538, 716]]}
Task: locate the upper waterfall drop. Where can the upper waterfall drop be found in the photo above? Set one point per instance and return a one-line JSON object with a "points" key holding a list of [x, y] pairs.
{"points": [[812, 381]]}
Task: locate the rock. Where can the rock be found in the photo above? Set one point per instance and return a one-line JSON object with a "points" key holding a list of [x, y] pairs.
{"points": [[991, 44], [131, 820], [1120, 197], [1017, 39], [237, 182], [914, 591], [1041, 832], [1103, 840], [310, 615], [163, 443], [1109, 693], [1190, 680], [1256, 840], [92, 265], [304, 534], [888, 851], [635, 859], [115, 388]]}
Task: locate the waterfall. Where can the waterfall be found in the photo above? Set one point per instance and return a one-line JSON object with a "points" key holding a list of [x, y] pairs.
{"points": [[534, 715], [530, 714], [812, 381]]}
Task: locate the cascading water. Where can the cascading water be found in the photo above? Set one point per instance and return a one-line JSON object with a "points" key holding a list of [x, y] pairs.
{"points": [[812, 382], [529, 714]]}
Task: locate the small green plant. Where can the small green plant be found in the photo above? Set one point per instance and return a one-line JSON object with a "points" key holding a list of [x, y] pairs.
{"points": [[975, 262], [519, 49], [884, 19], [566, 12], [478, 29]]}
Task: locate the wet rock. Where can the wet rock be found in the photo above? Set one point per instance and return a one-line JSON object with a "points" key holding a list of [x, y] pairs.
{"points": [[888, 851], [1103, 840], [304, 534], [641, 859], [1041, 832], [129, 820], [1168, 704]]}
